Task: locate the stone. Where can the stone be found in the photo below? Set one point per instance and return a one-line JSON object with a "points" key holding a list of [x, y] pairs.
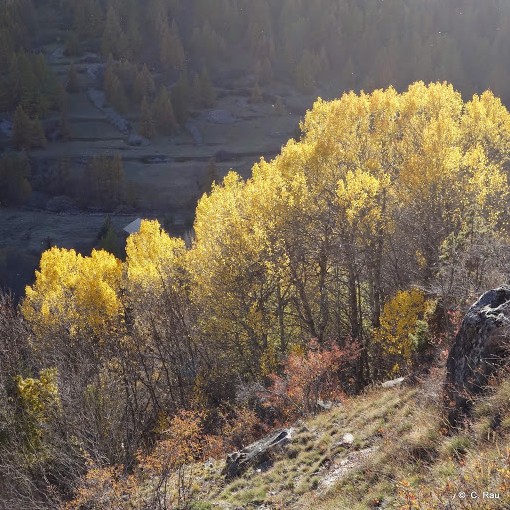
{"points": [[393, 383], [347, 440], [135, 140], [480, 349], [256, 454]]}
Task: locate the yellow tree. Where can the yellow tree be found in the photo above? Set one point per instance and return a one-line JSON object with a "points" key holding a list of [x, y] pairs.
{"points": [[401, 319], [74, 295], [226, 267], [162, 353]]}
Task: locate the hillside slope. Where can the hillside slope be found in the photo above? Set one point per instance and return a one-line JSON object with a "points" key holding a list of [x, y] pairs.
{"points": [[400, 458], [386, 449]]}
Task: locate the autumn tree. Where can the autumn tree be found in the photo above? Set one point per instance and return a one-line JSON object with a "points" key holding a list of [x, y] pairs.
{"points": [[172, 56], [114, 41], [21, 129], [403, 329], [180, 96], [114, 89], [163, 113], [147, 125], [144, 84], [103, 181]]}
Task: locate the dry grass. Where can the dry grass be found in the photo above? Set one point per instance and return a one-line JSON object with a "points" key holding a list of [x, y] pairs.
{"points": [[401, 459]]}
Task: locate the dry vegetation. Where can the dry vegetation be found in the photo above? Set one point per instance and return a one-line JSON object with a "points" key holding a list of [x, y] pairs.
{"points": [[401, 458]]}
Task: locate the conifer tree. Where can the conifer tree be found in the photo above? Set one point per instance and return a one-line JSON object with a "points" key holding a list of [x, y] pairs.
{"points": [[164, 115], [37, 135], [114, 41], [144, 84], [114, 89], [147, 128], [180, 98], [21, 129], [172, 55]]}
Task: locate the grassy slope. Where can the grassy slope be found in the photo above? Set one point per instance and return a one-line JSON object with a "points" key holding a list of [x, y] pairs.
{"points": [[401, 458]]}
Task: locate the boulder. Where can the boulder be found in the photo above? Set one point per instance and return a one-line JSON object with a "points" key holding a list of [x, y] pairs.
{"points": [[135, 140], [480, 348], [347, 440], [393, 383], [256, 454]]}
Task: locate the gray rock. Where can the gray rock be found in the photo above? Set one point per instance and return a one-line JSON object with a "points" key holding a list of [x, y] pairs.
{"points": [[256, 454], [135, 140], [480, 348], [347, 440], [393, 383]]}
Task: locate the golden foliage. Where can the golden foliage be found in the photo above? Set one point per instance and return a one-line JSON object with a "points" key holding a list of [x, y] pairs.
{"points": [[79, 294], [399, 322]]}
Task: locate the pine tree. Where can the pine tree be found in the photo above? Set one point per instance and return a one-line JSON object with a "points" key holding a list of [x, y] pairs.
{"points": [[37, 135], [163, 113], [114, 40], [172, 55], [144, 84], [180, 98], [21, 129], [114, 89], [108, 239], [147, 128]]}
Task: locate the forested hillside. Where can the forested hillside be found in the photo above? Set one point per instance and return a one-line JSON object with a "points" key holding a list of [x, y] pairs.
{"points": [[350, 44], [184, 91], [255, 296]]}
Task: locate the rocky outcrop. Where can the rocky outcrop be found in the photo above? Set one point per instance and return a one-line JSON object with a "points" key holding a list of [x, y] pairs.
{"points": [[256, 454], [480, 348]]}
